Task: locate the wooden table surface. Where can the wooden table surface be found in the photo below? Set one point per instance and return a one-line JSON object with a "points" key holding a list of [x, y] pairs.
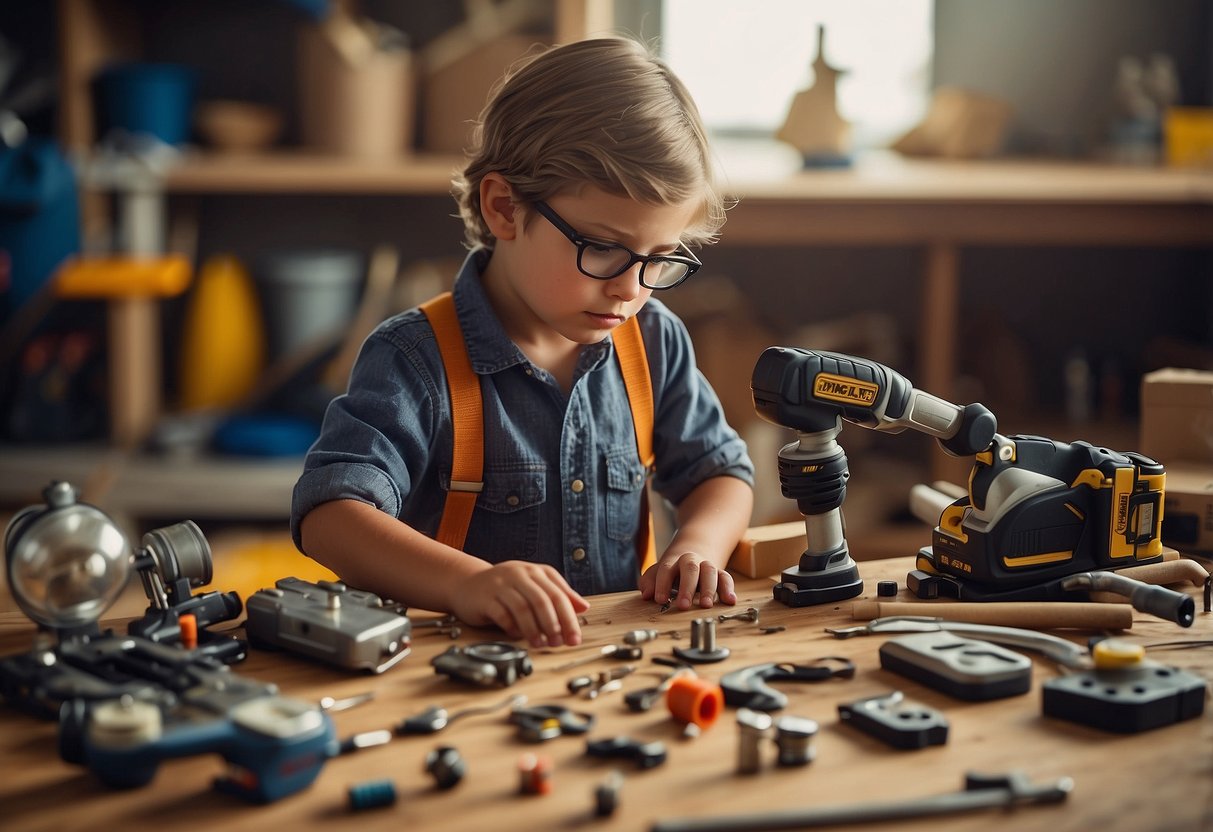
{"points": [[1160, 779]]}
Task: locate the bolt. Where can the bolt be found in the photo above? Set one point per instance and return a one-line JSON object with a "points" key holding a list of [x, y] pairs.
{"points": [[752, 728], [750, 614], [794, 736], [703, 647]]}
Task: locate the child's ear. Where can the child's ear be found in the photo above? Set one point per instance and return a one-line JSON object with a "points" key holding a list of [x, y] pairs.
{"points": [[497, 206]]}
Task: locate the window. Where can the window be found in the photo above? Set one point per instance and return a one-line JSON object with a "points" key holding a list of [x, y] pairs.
{"points": [[743, 62]]}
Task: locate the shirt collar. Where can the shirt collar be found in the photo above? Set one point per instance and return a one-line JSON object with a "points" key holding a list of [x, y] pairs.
{"points": [[490, 350]]}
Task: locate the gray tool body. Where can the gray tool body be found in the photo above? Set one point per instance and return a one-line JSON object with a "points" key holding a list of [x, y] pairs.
{"points": [[962, 667]]}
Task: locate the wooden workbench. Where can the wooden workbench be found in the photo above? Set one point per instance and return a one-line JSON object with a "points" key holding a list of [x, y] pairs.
{"points": [[1155, 780]]}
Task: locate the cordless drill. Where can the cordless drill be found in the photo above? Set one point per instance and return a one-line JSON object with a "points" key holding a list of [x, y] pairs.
{"points": [[812, 392]]}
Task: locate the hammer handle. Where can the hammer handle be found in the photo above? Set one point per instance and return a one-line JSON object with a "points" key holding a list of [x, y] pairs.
{"points": [[1036, 615]]}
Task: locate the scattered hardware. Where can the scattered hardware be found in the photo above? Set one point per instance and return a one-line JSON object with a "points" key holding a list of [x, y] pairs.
{"points": [[1035, 615], [886, 589], [981, 791], [703, 649], [330, 622], [606, 794], [694, 701], [591, 687], [639, 636], [446, 766], [645, 698], [753, 728], [961, 667], [1065, 653], [749, 614], [365, 739], [448, 624], [274, 746], [673, 596], [372, 794], [539, 723], [487, 663], [766, 631], [748, 688], [328, 703], [1125, 692], [896, 722], [434, 719], [619, 652], [794, 738], [642, 636], [534, 774], [646, 755]]}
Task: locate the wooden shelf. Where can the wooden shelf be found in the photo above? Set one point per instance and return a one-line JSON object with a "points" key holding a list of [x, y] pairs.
{"points": [[286, 172], [144, 485]]}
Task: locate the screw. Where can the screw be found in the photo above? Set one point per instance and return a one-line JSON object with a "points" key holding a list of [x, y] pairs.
{"points": [[703, 647], [750, 614], [794, 737], [752, 728]]}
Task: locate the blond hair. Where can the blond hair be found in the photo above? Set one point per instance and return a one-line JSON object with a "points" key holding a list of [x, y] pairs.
{"points": [[603, 112]]}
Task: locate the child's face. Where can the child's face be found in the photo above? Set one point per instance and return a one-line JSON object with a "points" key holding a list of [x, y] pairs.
{"points": [[582, 309]]}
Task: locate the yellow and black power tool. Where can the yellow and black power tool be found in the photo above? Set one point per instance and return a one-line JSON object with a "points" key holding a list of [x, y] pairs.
{"points": [[1037, 512]]}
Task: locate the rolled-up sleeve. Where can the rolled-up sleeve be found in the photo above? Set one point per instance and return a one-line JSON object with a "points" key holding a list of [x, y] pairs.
{"points": [[376, 437], [691, 439]]}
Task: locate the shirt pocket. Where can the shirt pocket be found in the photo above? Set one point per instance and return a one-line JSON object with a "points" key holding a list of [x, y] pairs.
{"points": [[625, 480], [506, 523]]}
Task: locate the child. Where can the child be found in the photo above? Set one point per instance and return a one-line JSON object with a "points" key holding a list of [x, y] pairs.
{"points": [[595, 138]]}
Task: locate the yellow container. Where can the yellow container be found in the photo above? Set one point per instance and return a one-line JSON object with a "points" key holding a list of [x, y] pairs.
{"points": [[1189, 136], [223, 346]]}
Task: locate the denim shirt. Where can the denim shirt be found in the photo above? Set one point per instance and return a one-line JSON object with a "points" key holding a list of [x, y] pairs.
{"points": [[562, 476]]}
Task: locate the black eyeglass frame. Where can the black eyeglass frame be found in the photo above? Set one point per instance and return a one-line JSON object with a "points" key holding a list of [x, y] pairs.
{"points": [[685, 258]]}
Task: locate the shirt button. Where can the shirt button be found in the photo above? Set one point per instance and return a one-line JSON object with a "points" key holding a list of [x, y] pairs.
{"points": [[578, 486], [579, 554], [512, 499]]}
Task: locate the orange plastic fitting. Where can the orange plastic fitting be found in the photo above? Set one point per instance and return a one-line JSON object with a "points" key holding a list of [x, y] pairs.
{"points": [[189, 630], [695, 700]]}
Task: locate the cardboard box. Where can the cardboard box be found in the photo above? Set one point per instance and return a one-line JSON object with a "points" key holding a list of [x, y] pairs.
{"points": [[1177, 415], [1187, 518]]}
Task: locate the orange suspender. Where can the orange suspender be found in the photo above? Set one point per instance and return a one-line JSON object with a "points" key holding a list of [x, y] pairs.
{"points": [[634, 363], [467, 414]]}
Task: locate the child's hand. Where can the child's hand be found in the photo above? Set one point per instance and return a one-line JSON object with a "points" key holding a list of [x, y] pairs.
{"points": [[695, 577], [526, 600]]}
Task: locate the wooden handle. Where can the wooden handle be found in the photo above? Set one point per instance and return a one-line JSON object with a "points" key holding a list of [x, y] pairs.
{"points": [[1036, 615]]}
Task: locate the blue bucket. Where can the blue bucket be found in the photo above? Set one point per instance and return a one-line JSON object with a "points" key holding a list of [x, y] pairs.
{"points": [[154, 99]]}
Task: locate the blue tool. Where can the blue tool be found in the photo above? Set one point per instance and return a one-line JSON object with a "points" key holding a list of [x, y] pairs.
{"points": [[274, 746]]}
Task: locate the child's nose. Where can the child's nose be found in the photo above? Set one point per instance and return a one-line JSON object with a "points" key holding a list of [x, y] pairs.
{"points": [[626, 286]]}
